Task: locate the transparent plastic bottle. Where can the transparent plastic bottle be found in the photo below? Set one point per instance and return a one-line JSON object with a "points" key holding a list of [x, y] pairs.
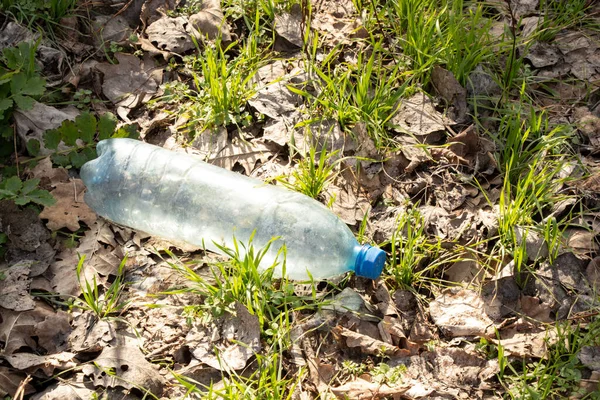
{"points": [[176, 196]]}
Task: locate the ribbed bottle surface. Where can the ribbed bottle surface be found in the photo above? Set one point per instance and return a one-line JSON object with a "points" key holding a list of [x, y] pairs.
{"points": [[178, 197]]}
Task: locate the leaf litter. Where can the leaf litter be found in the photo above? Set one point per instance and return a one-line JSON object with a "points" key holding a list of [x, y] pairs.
{"points": [[434, 342]]}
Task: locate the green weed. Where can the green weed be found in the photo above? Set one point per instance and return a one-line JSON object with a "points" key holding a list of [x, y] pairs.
{"points": [[414, 257], [559, 374], [222, 85], [242, 279], [267, 380], [558, 16], [367, 91], [106, 304], [25, 192], [312, 175]]}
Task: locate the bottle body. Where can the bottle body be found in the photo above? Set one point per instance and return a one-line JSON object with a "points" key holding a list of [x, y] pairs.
{"points": [[178, 197]]}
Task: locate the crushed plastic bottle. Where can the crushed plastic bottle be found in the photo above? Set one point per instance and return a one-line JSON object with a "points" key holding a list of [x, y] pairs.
{"points": [[178, 197]]}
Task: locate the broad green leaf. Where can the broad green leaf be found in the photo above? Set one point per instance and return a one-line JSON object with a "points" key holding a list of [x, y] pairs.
{"points": [[18, 82], [77, 159], [30, 185], [86, 123], [90, 153], [3, 238], [6, 194], [42, 197], [35, 86], [5, 104], [23, 102], [13, 184], [61, 159], [106, 125], [52, 139], [33, 147], [70, 133], [126, 131]]}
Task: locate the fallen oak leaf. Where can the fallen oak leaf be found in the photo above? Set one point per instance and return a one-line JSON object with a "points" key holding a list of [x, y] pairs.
{"points": [[10, 382], [125, 366], [69, 208], [32, 362], [360, 389], [367, 344]]}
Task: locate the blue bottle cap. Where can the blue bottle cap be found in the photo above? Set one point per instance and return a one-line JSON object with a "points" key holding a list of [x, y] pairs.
{"points": [[369, 262]]}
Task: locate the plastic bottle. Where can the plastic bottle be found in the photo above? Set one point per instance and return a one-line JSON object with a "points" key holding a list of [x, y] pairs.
{"points": [[176, 196]]}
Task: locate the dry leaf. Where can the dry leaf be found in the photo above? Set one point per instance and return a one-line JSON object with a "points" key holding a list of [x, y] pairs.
{"points": [[69, 208], [31, 363], [90, 335], [451, 91], [33, 123], [170, 34], [232, 344], [367, 344], [526, 344], [581, 241], [361, 389], [418, 116], [129, 369], [10, 381], [14, 288], [210, 22], [43, 330], [245, 153], [460, 312], [131, 82], [590, 357], [273, 98], [543, 55], [288, 25], [73, 389]]}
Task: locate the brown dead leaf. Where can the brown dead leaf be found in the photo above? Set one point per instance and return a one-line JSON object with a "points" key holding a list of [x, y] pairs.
{"points": [[33, 123], [129, 83], [533, 308], [592, 273], [589, 125], [337, 22], [153, 10], [170, 34], [418, 116], [543, 55], [10, 381], [69, 208], [41, 330], [90, 335], [14, 288], [367, 344], [31, 363], [590, 357], [348, 203], [273, 98], [73, 389], [210, 22], [130, 370], [288, 25], [361, 389], [532, 343], [48, 175], [28, 238], [465, 145], [451, 91], [581, 242], [460, 312], [230, 344], [245, 153]]}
